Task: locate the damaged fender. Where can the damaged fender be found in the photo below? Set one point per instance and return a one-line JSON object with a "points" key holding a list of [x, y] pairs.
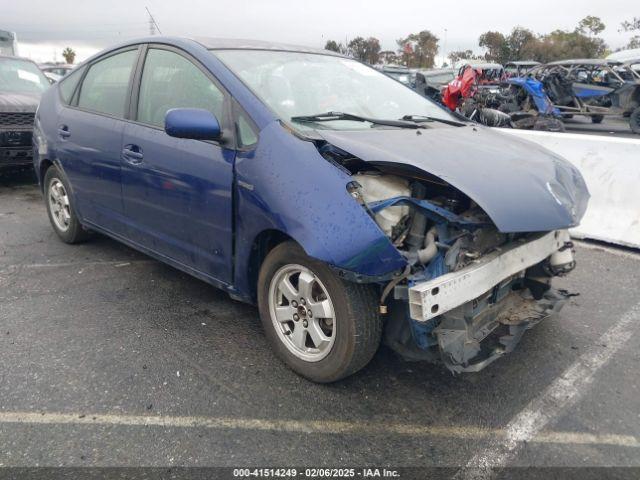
{"points": [[285, 185]]}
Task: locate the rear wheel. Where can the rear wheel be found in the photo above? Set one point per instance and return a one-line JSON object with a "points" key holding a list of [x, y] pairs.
{"points": [[597, 118], [634, 121], [60, 209], [321, 326]]}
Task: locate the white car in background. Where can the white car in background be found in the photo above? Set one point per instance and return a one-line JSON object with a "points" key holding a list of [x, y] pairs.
{"points": [[625, 55]]}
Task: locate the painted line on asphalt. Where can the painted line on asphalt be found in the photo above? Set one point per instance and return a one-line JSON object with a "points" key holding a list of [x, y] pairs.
{"points": [[579, 438], [563, 392], [118, 263], [99, 263], [330, 427]]}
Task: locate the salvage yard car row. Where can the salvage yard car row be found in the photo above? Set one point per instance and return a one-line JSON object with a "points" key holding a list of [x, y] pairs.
{"points": [[530, 95]]}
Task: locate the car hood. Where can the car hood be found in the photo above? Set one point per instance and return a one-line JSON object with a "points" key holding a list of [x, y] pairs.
{"points": [[520, 185], [19, 102]]}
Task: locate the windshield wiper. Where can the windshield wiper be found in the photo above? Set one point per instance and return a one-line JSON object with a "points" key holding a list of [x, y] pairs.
{"points": [[332, 116], [426, 118]]}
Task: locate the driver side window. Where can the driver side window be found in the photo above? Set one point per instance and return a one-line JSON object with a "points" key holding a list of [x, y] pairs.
{"points": [[169, 80]]}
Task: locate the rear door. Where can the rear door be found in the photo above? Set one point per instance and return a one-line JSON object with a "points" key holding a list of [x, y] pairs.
{"points": [[89, 137], [177, 192]]}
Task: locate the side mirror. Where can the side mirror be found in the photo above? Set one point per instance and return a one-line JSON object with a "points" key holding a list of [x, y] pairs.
{"points": [[192, 123]]}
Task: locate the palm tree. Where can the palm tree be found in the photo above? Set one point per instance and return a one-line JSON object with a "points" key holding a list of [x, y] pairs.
{"points": [[69, 54]]}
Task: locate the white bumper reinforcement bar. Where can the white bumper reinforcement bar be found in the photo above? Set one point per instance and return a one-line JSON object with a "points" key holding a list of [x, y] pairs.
{"points": [[435, 297]]}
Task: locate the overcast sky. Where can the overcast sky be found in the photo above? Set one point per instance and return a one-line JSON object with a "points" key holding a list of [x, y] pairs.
{"points": [[45, 27]]}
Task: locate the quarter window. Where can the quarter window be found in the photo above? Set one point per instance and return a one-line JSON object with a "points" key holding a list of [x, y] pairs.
{"points": [[246, 135], [169, 81], [68, 84], [106, 85]]}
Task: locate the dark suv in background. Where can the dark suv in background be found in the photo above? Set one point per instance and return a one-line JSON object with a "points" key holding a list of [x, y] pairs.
{"points": [[21, 85]]}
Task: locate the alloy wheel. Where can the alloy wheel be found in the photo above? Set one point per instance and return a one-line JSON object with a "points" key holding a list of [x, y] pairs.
{"points": [[59, 205], [302, 312]]}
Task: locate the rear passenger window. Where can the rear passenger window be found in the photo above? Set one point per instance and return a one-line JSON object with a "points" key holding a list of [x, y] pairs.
{"points": [[106, 85], [169, 81], [68, 84]]}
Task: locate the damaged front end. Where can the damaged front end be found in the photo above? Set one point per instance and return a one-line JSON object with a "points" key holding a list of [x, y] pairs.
{"points": [[469, 290]]}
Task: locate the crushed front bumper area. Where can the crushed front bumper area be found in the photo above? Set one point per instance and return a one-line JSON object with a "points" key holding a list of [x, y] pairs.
{"points": [[436, 297], [474, 335], [469, 318]]}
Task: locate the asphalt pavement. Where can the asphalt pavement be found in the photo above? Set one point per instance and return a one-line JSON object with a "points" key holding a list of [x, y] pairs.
{"points": [[611, 126], [110, 358]]}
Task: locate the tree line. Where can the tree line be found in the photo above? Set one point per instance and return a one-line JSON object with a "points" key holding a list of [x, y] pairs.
{"points": [[418, 50]]}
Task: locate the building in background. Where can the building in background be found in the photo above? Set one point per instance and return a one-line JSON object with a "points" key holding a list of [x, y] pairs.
{"points": [[8, 43]]}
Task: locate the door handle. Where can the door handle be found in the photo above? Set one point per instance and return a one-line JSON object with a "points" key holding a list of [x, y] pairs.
{"points": [[63, 131], [132, 154]]}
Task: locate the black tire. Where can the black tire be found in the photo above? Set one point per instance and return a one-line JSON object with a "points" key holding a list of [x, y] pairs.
{"points": [[74, 233], [549, 124], [597, 119], [358, 323], [634, 121]]}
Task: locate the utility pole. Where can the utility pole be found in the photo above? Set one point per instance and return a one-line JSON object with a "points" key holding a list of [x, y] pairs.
{"points": [[153, 25], [445, 48]]}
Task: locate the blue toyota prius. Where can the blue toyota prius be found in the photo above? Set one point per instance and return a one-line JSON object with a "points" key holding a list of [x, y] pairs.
{"points": [[351, 209]]}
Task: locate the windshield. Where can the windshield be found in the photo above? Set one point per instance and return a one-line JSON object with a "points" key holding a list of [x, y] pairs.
{"points": [[404, 77], [20, 76], [440, 78], [297, 84]]}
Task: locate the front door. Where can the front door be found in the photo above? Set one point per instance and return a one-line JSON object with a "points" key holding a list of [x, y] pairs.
{"points": [[177, 192]]}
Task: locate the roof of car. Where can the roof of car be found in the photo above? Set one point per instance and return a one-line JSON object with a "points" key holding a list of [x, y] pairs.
{"points": [[13, 57], [438, 71], [523, 62], [214, 44], [242, 44], [584, 61], [485, 66], [395, 68], [624, 55], [56, 65]]}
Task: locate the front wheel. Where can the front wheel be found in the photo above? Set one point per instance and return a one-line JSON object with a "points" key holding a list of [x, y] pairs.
{"points": [[60, 209], [597, 119], [321, 326]]}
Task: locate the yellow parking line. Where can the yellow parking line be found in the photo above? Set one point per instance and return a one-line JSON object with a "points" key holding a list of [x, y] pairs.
{"points": [[308, 426]]}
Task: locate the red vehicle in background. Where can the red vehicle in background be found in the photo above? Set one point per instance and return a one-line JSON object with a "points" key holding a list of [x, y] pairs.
{"points": [[476, 94], [465, 85], [471, 78]]}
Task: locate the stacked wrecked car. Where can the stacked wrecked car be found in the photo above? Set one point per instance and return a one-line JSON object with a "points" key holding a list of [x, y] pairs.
{"points": [[548, 94]]}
